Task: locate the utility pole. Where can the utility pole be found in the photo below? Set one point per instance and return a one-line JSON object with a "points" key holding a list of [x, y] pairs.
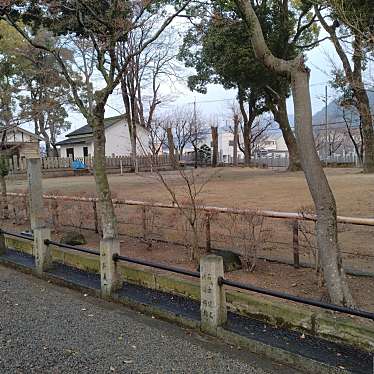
{"points": [[195, 126], [327, 127]]}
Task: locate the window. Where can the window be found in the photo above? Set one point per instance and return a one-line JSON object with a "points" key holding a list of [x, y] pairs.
{"points": [[85, 151], [70, 152], [231, 143]]}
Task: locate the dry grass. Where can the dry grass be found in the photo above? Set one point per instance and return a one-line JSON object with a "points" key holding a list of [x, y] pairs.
{"points": [[251, 188]]}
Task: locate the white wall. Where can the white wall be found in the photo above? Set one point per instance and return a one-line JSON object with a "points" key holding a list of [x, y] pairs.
{"points": [[118, 140], [78, 149], [17, 136]]}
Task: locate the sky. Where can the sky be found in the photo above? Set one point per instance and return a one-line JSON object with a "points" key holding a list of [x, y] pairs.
{"points": [[215, 105]]}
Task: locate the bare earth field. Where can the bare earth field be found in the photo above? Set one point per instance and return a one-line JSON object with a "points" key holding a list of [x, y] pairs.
{"points": [[233, 187], [244, 188]]}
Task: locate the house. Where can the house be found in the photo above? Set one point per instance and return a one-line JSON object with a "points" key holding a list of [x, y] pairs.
{"points": [[79, 143], [19, 143], [274, 143]]}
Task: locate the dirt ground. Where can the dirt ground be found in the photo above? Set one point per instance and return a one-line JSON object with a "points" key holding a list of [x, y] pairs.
{"points": [[232, 187], [249, 188]]}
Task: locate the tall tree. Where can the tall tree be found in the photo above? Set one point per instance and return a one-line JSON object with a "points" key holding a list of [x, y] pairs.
{"points": [[219, 50], [327, 234], [104, 23], [45, 92], [140, 86], [353, 76]]}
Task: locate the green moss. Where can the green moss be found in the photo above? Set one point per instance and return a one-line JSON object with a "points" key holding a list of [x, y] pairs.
{"points": [[21, 245], [178, 286]]}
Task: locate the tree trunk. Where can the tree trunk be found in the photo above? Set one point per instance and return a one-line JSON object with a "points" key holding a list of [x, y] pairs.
{"points": [[171, 146], [367, 130], [108, 218], [281, 116], [133, 137], [215, 146], [247, 142], [325, 206], [324, 201], [4, 199], [235, 143]]}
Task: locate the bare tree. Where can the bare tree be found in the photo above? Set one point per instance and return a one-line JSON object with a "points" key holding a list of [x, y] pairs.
{"points": [[189, 202], [104, 24], [324, 201], [353, 78], [140, 86]]}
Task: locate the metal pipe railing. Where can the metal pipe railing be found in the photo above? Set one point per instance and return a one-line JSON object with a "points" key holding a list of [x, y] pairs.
{"points": [[221, 280], [297, 299], [156, 265], [79, 249], [21, 236]]}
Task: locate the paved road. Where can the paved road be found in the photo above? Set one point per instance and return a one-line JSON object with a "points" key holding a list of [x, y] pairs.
{"points": [[49, 329]]}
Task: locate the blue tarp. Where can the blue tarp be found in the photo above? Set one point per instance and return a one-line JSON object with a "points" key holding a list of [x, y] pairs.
{"points": [[78, 165]]}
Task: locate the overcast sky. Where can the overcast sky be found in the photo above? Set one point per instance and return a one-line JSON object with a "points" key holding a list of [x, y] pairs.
{"points": [[215, 105]]}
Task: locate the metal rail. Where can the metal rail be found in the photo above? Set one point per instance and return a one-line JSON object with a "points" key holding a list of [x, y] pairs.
{"points": [[156, 265], [221, 280], [79, 249], [297, 299], [27, 237]]}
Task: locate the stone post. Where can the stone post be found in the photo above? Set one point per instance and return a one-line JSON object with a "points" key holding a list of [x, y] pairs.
{"points": [[213, 298], [34, 177], [42, 252], [110, 277]]}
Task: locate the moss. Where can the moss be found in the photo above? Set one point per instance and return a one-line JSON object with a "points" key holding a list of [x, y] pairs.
{"points": [[138, 276], [178, 286], [21, 245]]}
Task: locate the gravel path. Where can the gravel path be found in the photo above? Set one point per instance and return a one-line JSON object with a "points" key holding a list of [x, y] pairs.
{"points": [[48, 329]]}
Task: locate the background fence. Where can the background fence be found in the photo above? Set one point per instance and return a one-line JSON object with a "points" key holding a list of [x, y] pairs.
{"points": [[252, 234]]}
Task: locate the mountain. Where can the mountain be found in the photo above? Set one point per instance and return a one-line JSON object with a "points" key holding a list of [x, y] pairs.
{"points": [[335, 113]]}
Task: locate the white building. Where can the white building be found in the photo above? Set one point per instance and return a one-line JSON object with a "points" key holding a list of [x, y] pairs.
{"points": [[272, 143], [20, 142], [79, 143]]}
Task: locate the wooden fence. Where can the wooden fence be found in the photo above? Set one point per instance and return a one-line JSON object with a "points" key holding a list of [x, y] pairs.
{"points": [[153, 221], [57, 163]]}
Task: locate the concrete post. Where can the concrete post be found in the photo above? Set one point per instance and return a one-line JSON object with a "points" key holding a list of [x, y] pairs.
{"points": [[110, 277], [34, 177], [213, 298], [42, 252]]}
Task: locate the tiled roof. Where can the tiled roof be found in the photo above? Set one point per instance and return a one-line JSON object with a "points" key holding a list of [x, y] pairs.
{"points": [[75, 141], [87, 130]]}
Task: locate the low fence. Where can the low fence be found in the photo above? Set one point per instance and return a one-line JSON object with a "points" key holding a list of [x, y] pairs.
{"points": [[216, 293], [57, 163], [250, 233]]}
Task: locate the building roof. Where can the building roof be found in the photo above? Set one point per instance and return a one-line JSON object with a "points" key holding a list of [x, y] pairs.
{"points": [[75, 141], [87, 129], [20, 129]]}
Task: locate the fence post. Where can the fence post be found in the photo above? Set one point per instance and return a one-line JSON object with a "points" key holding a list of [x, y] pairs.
{"points": [[96, 221], [213, 298], [295, 244], [42, 253], [34, 177], [110, 277], [207, 233], [2, 243], [144, 222]]}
